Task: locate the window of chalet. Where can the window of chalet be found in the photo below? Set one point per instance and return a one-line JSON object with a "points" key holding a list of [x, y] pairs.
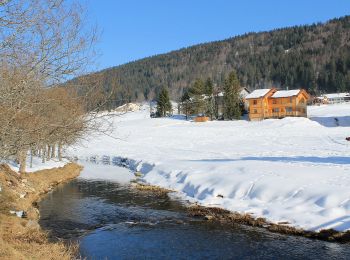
{"points": [[289, 109], [255, 102], [255, 111], [275, 110], [302, 101], [274, 101], [290, 100]]}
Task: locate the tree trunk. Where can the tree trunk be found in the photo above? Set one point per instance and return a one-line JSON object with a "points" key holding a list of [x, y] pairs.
{"points": [[22, 161], [43, 150], [48, 153], [53, 151], [59, 151], [31, 158]]}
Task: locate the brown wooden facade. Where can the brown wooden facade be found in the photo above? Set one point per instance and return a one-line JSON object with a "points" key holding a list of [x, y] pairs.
{"points": [[278, 104]]}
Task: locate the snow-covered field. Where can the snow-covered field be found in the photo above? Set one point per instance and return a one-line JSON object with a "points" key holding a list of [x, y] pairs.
{"points": [[294, 169]]}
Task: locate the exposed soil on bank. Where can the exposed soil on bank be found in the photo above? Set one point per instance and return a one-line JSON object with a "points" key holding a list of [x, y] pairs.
{"points": [[22, 238], [230, 218], [226, 217]]}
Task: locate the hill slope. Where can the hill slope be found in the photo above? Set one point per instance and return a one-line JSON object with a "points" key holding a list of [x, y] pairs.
{"points": [[315, 57]]}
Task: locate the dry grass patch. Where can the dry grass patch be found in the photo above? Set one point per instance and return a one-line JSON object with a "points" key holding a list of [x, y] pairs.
{"points": [[22, 238], [152, 189]]}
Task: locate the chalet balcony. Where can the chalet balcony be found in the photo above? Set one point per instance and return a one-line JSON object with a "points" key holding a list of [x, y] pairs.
{"points": [[284, 114]]}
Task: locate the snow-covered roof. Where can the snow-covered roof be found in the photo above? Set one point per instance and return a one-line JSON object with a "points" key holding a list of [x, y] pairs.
{"points": [[337, 95], [258, 93], [242, 93], [129, 107], [285, 93]]}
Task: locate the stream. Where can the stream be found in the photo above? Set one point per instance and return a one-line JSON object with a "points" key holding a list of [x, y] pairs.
{"points": [[112, 220]]}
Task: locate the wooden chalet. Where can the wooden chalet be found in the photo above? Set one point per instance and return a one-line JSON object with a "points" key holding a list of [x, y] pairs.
{"points": [[273, 103]]}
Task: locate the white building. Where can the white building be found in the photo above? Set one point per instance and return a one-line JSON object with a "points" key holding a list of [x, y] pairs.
{"points": [[335, 98]]}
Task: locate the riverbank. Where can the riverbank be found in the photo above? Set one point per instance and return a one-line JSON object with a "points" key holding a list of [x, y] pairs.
{"points": [[229, 218], [22, 237]]}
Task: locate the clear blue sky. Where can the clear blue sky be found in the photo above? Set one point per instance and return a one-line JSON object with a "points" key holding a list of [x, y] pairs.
{"points": [[134, 29]]}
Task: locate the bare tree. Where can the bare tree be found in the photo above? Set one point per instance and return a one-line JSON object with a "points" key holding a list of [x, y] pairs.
{"points": [[43, 43], [47, 37]]}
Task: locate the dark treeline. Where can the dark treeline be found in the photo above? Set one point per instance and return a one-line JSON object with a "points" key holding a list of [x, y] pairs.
{"points": [[315, 57], [203, 99]]}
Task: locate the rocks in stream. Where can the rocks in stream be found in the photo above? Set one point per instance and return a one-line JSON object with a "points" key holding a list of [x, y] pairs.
{"points": [[208, 217]]}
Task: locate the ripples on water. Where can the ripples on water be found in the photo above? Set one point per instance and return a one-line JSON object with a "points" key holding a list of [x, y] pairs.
{"points": [[114, 221]]}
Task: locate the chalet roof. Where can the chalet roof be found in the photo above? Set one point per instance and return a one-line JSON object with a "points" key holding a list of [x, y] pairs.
{"points": [[258, 93], [286, 93], [244, 89]]}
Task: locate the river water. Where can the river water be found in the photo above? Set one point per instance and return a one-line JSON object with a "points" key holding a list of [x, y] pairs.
{"points": [[112, 220]]}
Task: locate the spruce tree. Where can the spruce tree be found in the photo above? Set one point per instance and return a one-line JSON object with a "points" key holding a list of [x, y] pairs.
{"points": [[208, 87], [210, 101], [163, 103], [186, 102], [232, 99], [197, 88], [197, 92]]}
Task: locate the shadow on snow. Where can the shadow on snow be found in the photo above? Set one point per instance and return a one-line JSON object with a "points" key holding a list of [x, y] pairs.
{"points": [[342, 121], [307, 159], [341, 223]]}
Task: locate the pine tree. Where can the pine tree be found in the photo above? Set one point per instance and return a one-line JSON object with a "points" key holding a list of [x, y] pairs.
{"points": [[210, 101], [197, 93], [163, 103], [208, 87], [186, 103], [197, 88], [232, 100]]}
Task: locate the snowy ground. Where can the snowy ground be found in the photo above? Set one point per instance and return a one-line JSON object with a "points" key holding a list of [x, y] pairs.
{"points": [[37, 164], [105, 172], [294, 169]]}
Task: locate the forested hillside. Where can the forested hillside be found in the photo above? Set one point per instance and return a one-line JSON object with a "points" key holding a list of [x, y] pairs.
{"points": [[315, 57]]}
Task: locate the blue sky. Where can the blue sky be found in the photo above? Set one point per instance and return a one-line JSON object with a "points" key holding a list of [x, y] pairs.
{"points": [[133, 29]]}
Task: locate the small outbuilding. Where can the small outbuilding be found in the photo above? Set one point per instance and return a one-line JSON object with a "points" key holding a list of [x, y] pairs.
{"points": [[335, 98], [201, 119]]}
